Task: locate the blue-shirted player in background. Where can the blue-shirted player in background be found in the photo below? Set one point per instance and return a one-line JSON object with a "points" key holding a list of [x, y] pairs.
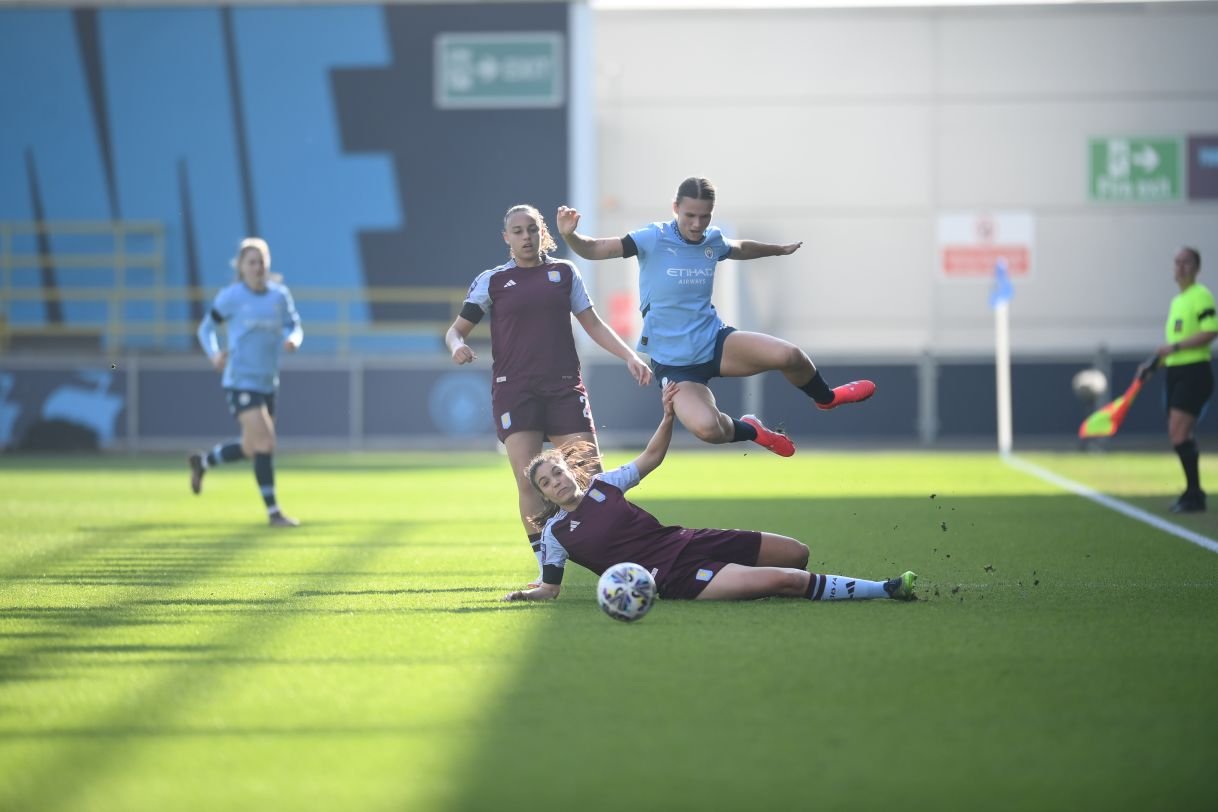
{"points": [[261, 321], [682, 332]]}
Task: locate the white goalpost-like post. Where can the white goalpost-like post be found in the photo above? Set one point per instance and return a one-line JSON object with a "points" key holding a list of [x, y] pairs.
{"points": [[1002, 367], [1000, 301]]}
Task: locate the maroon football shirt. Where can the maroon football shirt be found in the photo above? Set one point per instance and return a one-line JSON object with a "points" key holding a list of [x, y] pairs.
{"points": [[530, 310]]}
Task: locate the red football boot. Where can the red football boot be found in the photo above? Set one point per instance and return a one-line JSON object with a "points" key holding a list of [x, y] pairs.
{"points": [[853, 392], [775, 441]]}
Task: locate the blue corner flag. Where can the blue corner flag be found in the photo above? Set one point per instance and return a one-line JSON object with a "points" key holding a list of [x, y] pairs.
{"points": [[1002, 292]]}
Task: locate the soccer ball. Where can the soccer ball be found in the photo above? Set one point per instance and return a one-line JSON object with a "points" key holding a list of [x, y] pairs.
{"points": [[626, 592]]}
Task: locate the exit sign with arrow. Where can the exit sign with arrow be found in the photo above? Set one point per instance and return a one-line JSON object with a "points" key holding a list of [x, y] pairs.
{"points": [[1135, 170]]}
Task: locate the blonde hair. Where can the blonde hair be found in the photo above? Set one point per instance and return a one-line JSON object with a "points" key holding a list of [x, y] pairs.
{"points": [[255, 244], [547, 242], [581, 458]]}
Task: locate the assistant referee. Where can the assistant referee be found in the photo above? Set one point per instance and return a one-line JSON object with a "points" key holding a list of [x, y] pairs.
{"points": [[1191, 328]]}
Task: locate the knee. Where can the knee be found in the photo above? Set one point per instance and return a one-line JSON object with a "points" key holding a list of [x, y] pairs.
{"points": [[799, 555], [708, 431], [795, 359], [258, 445]]}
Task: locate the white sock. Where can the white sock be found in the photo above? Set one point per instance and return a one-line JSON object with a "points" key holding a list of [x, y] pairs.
{"points": [[843, 588]]}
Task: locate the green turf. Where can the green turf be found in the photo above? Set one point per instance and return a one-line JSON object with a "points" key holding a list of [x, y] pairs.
{"points": [[161, 651]]}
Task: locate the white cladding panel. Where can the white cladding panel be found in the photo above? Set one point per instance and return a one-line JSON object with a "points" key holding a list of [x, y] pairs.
{"points": [[854, 130]]}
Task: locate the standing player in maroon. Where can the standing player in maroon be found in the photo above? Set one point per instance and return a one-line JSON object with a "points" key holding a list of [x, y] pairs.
{"points": [[537, 390], [591, 522]]}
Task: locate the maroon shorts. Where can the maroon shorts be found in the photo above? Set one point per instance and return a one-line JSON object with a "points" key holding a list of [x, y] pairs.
{"points": [[708, 552], [555, 408]]}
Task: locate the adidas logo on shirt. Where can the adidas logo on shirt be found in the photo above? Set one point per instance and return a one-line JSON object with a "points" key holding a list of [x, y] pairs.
{"points": [[509, 283], [574, 524]]}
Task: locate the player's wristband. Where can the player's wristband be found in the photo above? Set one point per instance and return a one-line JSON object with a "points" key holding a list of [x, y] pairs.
{"points": [[1175, 347]]}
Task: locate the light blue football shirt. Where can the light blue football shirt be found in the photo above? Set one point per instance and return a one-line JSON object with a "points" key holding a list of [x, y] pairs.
{"points": [[676, 279], [258, 324]]}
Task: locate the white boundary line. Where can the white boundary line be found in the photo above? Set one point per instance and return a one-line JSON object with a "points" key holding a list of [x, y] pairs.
{"points": [[1111, 503]]}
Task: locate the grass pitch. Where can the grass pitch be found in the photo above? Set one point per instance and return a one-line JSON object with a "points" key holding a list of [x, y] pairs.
{"points": [[162, 651]]}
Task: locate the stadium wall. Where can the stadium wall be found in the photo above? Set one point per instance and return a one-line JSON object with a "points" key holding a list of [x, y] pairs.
{"points": [[147, 403], [856, 130], [318, 127]]}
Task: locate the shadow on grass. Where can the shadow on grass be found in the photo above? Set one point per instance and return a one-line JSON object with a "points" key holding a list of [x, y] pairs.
{"points": [[161, 694], [388, 462], [314, 593]]}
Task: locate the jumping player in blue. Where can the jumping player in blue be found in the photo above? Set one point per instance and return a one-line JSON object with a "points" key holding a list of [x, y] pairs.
{"points": [[588, 520], [261, 321], [537, 390], [682, 332]]}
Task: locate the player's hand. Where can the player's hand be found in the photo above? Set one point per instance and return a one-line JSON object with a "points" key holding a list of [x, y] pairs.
{"points": [[790, 248], [639, 371], [219, 360], [290, 345], [566, 221], [463, 355], [666, 398], [518, 595]]}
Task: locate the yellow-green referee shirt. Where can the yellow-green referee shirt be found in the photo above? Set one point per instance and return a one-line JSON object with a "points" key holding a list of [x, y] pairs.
{"points": [[1192, 312]]}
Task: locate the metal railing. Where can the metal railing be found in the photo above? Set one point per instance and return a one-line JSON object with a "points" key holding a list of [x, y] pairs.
{"points": [[122, 280]]}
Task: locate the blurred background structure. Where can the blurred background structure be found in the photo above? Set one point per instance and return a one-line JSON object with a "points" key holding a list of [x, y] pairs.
{"points": [[376, 148]]}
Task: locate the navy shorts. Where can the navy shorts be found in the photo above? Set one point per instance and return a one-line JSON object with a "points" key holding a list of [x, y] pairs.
{"points": [[698, 373], [241, 399], [555, 408], [1189, 387], [708, 552]]}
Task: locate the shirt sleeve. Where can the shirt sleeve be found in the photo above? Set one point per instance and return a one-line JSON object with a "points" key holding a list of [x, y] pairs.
{"points": [[207, 327], [580, 300], [479, 294], [292, 329], [553, 556], [645, 239], [623, 478], [1207, 320], [719, 245]]}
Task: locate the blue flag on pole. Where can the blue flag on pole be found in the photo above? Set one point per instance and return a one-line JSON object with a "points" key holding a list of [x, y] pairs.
{"points": [[1002, 291]]}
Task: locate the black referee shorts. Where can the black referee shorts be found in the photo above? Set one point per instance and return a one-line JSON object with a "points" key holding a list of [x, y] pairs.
{"points": [[1189, 387]]}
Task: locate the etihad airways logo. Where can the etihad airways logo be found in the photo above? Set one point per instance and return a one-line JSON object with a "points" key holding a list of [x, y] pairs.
{"points": [[691, 273]]}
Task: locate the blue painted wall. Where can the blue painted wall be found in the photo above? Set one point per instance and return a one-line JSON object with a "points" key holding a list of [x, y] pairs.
{"points": [[313, 127]]}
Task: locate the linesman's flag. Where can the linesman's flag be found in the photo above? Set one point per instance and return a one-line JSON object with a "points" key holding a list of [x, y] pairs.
{"points": [[1105, 422]]}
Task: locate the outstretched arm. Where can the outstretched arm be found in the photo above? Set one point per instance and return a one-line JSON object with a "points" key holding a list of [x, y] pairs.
{"points": [[586, 247], [657, 447], [749, 249], [609, 340]]}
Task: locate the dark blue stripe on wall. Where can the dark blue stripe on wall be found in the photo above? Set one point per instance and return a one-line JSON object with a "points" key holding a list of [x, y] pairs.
{"points": [[46, 272], [188, 235], [243, 156], [94, 74]]}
